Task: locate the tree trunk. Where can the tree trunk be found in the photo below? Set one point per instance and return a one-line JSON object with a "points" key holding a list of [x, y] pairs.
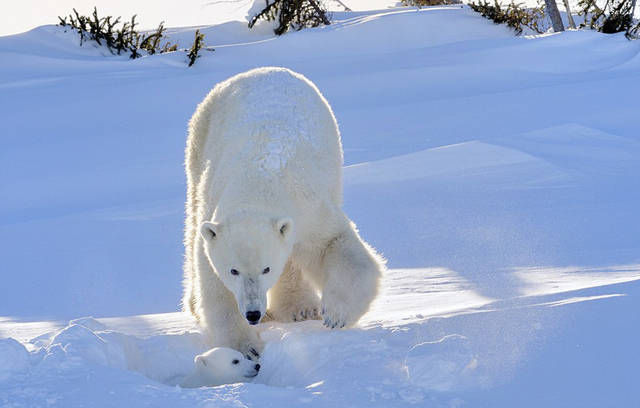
{"points": [[554, 15], [572, 23], [633, 8]]}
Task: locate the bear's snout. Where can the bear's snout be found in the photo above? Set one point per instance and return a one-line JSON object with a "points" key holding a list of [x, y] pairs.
{"points": [[253, 316]]}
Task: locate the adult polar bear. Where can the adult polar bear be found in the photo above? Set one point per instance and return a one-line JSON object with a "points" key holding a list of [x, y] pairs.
{"points": [[264, 198]]}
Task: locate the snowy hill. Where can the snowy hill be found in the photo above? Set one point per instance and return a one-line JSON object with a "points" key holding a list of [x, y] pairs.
{"points": [[498, 175]]}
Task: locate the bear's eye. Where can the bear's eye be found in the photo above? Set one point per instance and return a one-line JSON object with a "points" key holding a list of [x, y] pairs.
{"points": [[234, 272], [266, 270], [234, 362]]}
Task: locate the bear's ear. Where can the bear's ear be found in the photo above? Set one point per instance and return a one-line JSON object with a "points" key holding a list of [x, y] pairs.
{"points": [[209, 230], [284, 227], [200, 360]]}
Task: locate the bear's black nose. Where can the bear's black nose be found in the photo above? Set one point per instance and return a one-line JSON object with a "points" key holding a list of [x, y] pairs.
{"points": [[257, 367], [253, 317]]}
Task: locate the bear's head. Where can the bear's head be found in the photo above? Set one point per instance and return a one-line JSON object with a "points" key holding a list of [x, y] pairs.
{"points": [[223, 365], [249, 254]]}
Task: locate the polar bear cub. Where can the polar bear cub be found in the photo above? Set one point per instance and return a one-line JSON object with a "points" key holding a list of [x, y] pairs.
{"points": [[219, 366], [265, 233]]}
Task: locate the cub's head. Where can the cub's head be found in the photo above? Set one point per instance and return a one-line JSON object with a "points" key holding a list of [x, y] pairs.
{"points": [[248, 254], [223, 365]]}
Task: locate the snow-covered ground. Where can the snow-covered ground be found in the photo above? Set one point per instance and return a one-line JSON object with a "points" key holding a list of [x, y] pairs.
{"points": [[498, 175]]}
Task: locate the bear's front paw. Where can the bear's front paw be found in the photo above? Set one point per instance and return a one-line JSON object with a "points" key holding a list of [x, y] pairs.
{"points": [[311, 313], [252, 347], [333, 317], [294, 313]]}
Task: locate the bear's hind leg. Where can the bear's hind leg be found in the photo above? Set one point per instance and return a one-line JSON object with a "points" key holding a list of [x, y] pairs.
{"points": [[292, 299]]}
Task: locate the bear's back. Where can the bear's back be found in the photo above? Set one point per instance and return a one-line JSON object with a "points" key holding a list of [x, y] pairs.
{"points": [[273, 124]]}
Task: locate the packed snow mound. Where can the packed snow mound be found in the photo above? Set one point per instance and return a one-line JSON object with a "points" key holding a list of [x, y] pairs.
{"points": [[296, 356], [544, 280], [163, 358], [442, 365], [304, 358], [78, 344], [348, 35], [458, 159], [552, 156], [88, 322], [580, 150], [14, 359]]}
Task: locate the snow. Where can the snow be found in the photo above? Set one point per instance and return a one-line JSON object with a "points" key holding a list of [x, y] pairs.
{"points": [[498, 175], [14, 358], [458, 158]]}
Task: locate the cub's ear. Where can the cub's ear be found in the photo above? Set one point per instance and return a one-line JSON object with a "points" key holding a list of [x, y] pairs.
{"points": [[209, 230], [284, 227], [200, 360]]}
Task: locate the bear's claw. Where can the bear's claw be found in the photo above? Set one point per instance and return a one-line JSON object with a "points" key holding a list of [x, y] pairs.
{"points": [[306, 314], [252, 355], [333, 325], [251, 347], [332, 322]]}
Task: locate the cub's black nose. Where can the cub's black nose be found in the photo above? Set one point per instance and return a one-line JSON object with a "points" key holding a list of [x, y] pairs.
{"points": [[257, 367], [253, 317]]}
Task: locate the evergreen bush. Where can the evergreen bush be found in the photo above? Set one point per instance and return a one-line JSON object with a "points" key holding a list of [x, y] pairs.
{"points": [[125, 38], [292, 14], [634, 32], [194, 51], [614, 17], [514, 15]]}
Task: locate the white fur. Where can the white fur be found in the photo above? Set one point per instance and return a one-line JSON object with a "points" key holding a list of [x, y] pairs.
{"points": [[264, 180], [219, 366]]}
